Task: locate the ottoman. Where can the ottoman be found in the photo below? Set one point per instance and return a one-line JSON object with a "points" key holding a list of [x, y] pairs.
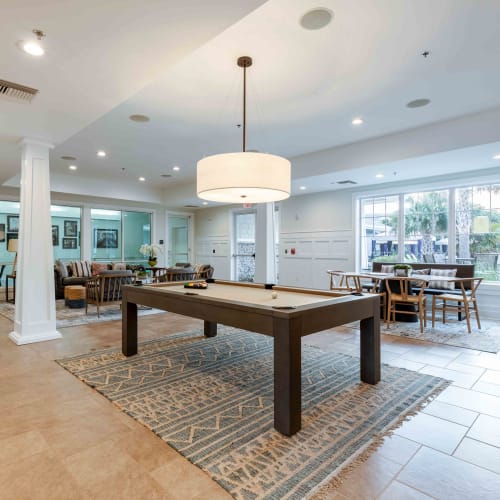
{"points": [[74, 296]]}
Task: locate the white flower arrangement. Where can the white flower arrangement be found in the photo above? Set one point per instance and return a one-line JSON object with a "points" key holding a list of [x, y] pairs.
{"points": [[150, 251]]}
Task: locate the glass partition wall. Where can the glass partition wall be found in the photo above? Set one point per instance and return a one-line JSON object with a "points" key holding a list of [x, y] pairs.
{"points": [[117, 235]]}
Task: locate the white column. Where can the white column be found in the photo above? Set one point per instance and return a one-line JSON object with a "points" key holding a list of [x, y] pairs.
{"points": [[35, 318], [265, 271]]}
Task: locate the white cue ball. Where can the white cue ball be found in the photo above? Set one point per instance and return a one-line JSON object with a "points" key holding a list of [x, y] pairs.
{"points": [[274, 295]]}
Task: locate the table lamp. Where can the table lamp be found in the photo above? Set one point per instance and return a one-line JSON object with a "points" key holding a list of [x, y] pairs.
{"points": [[12, 247]]}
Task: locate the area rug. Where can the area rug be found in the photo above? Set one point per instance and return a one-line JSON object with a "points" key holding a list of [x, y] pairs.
{"points": [[212, 400], [453, 333], [66, 317]]}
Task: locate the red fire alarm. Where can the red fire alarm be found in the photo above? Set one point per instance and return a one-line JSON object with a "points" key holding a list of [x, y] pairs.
{"points": [[292, 251]]}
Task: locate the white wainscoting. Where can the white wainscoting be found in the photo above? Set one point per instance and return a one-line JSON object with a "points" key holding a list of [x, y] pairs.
{"points": [[215, 251], [304, 258], [488, 301]]}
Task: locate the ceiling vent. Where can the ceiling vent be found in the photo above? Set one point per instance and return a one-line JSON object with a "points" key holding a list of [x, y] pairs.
{"points": [[346, 182], [16, 91], [191, 206]]}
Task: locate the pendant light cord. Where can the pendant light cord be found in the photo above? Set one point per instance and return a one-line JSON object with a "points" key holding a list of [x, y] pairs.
{"points": [[244, 62]]}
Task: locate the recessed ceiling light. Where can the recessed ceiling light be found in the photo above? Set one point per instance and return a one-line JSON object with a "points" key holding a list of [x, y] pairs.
{"points": [[176, 168], [69, 158], [357, 121], [72, 167], [379, 176], [102, 154], [496, 157], [418, 103], [302, 188], [139, 118], [34, 47], [205, 203], [316, 19], [142, 179]]}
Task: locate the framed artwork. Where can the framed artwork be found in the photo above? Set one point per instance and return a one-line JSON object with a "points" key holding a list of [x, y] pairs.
{"points": [[106, 238], [2, 232], [55, 236], [11, 236], [70, 228], [12, 223], [69, 243]]}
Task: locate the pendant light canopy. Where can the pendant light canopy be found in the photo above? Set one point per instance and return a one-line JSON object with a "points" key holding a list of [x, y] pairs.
{"points": [[245, 177]]}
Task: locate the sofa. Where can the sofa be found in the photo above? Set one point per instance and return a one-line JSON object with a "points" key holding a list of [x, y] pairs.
{"points": [[463, 271], [79, 272]]}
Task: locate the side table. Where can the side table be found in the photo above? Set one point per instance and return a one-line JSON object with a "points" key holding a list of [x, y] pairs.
{"points": [[13, 278]]}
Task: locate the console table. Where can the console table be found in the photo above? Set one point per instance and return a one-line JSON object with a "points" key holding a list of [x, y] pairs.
{"points": [[13, 278]]}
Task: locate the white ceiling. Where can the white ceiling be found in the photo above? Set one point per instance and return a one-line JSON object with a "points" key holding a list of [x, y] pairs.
{"points": [[304, 89]]}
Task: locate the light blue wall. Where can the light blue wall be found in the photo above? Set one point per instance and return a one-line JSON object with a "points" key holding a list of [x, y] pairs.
{"points": [[111, 254], [137, 231]]}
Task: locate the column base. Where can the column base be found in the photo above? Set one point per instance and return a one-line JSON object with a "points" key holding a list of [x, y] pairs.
{"points": [[38, 337]]}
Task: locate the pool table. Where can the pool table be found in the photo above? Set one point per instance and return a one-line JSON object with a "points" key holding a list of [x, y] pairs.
{"points": [[294, 313]]}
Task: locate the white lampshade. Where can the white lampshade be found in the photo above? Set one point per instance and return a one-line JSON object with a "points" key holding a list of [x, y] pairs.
{"points": [[243, 178], [12, 246], [481, 224]]}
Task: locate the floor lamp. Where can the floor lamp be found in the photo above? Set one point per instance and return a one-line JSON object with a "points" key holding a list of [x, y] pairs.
{"points": [[12, 247]]}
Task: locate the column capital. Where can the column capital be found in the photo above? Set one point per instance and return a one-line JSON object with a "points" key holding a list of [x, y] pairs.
{"points": [[29, 141]]}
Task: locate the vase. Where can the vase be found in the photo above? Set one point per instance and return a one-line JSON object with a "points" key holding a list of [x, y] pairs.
{"points": [[153, 261]]}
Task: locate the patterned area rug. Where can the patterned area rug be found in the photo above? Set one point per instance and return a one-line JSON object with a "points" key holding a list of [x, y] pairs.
{"points": [[212, 400], [66, 317], [451, 333]]}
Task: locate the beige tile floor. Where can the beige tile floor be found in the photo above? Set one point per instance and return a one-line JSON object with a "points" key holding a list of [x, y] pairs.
{"points": [[59, 439]]}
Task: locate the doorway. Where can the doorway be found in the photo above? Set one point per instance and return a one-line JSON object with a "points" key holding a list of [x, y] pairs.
{"points": [[178, 239], [243, 268]]}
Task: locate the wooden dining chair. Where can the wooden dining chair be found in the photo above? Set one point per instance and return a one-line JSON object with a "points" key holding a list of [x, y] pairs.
{"points": [[399, 292], [342, 283], [466, 302], [376, 290]]}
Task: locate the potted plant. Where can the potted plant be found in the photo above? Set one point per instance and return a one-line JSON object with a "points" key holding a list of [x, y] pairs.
{"points": [[402, 270], [151, 251]]}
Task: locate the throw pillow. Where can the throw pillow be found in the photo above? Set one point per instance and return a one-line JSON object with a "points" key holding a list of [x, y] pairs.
{"points": [[443, 285], [81, 268], [386, 268], [421, 272], [61, 268], [98, 268], [119, 266]]}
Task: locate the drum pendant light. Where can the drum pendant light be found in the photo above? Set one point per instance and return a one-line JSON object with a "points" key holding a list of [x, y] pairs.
{"points": [[245, 177]]}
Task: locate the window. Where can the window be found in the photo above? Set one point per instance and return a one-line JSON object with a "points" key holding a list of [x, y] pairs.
{"points": [[426, 227], [459, 225], [66, 232], [477, 219], [379, 229]]}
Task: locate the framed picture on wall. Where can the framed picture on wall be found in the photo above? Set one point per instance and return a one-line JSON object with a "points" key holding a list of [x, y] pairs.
{"points": [[106, 238], [70, 228], [55, 236], [12, 223], [69, 243], [11, 236], [2, 232]]}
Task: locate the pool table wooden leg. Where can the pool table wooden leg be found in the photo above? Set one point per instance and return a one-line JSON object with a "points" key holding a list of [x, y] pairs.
{"points": [[210, 328], [287, 375], [370, 349], [129, 328]]}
